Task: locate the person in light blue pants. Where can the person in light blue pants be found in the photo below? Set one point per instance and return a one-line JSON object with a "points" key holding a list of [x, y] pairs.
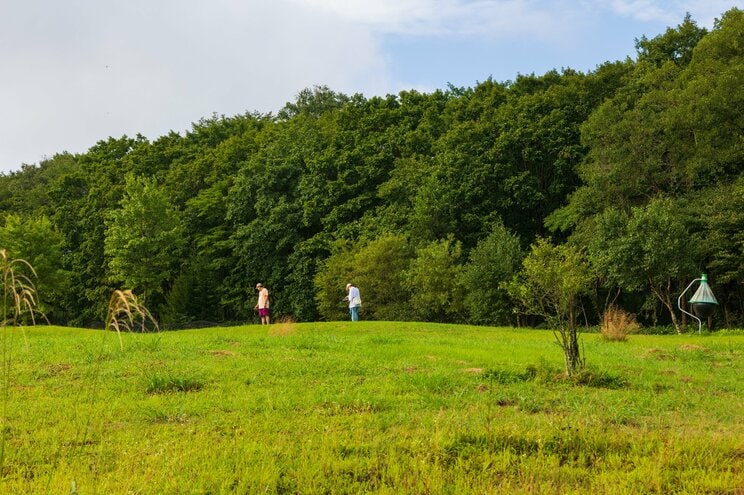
{"points": [[355, 301]]}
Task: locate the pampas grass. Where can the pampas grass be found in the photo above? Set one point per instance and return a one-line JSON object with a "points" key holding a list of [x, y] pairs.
{"points": [[125, 313], [19, 300], [19, 292]]}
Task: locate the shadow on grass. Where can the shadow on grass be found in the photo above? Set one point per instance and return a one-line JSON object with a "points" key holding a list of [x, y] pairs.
{"points": [[545, 374]]}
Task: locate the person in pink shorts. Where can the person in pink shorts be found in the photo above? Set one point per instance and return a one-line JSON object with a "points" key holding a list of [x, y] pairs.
{"points": [[263, 303]]}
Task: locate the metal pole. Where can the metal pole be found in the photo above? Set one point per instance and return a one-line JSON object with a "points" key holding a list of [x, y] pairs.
{"points": [[679, 305]]}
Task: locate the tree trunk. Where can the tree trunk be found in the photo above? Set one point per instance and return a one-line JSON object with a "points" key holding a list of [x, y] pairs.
{"points": [[665, 297], [673, 314], [569, 341]]}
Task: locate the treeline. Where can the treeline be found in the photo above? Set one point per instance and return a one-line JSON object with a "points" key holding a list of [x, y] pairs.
{"points": [[429, 203]]}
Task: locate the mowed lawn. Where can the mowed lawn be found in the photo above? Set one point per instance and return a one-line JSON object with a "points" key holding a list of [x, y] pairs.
{"points": [[368, 407]]}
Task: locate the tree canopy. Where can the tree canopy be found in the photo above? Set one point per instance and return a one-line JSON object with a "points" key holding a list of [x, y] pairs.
{"points": [[426, 201]]}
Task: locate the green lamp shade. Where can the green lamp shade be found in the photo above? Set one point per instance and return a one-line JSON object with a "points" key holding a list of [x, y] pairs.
{"points": [[703, 301]]}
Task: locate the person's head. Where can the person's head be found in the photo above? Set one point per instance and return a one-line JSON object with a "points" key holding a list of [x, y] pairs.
{"points": [[349, 286], [259, 286]]}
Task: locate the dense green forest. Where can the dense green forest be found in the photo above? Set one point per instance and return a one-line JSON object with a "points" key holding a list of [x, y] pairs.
{"points": [[430, 203]]}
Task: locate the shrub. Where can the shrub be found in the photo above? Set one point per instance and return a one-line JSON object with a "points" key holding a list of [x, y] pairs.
{"points": [[617, 324]]}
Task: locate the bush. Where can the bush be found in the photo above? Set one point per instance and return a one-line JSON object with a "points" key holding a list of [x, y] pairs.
{"points": [[433, 282], [617, 324], [376, 268], [493, 261]]}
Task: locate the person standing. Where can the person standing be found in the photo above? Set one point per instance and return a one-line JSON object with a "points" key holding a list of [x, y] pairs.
{"points": [[355, 301], [263, 303]]}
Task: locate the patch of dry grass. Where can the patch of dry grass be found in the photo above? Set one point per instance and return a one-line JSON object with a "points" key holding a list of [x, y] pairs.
{"points": [[617, 324], [283, 326]]}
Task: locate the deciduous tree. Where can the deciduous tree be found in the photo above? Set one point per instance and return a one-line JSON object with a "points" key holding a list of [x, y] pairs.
{"points": [[550, 284], [143, 239]]}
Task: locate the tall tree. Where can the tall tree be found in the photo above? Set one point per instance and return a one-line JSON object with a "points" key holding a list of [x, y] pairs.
{"points": [[674, 45], [672, 129], [491, 264], [144, 239], [82, 200], [433, 280], [649, 248], [36, 241], [719, 225]]}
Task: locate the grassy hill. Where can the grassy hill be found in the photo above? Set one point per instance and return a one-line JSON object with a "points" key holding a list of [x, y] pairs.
{"points": [[368, 407]]}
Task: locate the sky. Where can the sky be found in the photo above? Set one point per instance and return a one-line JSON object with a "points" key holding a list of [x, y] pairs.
{"points": [[74, 72]]}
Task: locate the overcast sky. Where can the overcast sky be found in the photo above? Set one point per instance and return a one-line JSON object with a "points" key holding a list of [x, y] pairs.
{"points": [[73, 72]]}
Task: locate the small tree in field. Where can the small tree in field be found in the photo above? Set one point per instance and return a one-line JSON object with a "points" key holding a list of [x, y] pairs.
{"points": [[549, 285]]}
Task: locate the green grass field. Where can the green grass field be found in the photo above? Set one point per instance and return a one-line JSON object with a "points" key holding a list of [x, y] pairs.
{"points": [[368, 407]]}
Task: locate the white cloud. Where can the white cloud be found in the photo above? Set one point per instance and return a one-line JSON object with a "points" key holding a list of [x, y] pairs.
{"points": [[643, 10], [672, 12], [492, 18], [78, 71], [486, 18]]}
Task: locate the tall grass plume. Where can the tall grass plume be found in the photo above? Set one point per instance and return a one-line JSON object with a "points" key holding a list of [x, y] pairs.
{"points": [[125, 313], [19, 292], [19, 301]]}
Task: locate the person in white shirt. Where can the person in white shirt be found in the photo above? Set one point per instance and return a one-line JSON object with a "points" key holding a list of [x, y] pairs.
{"points": [[355, 301]]}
